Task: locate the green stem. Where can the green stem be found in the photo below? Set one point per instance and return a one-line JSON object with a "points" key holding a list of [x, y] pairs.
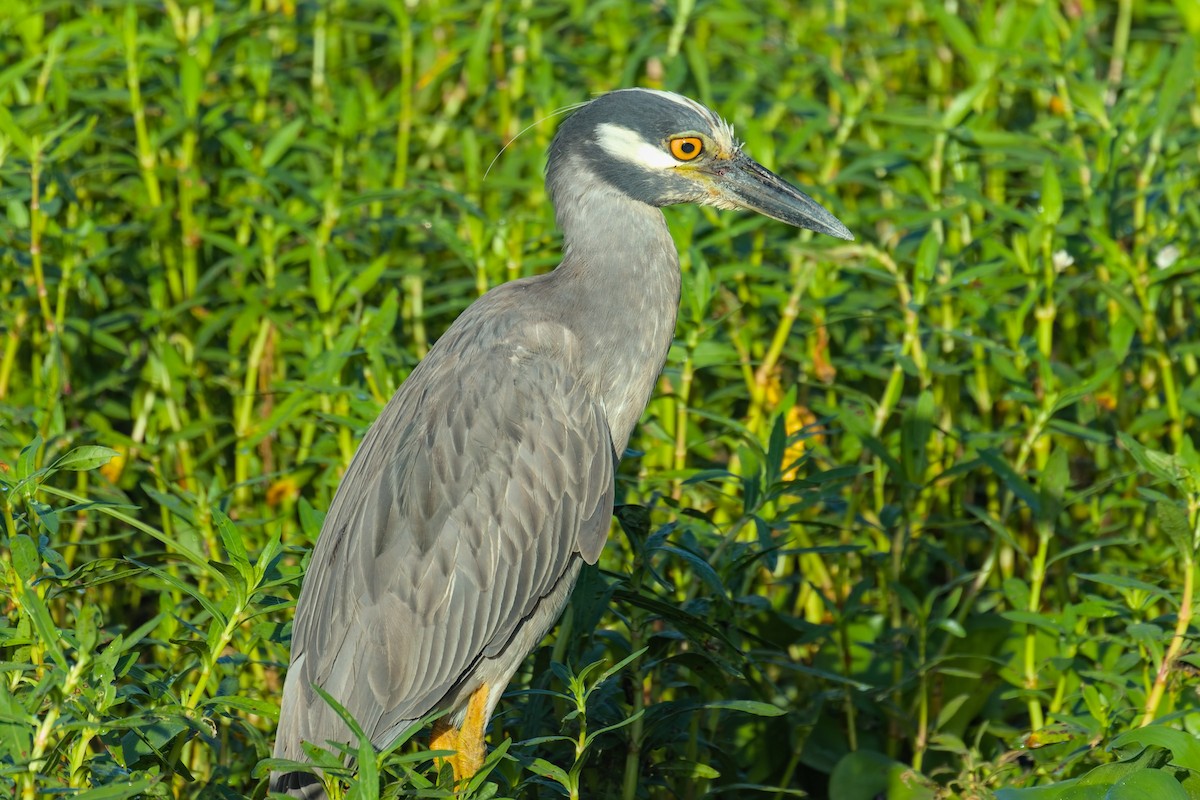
{"points": [[147, 161], [41, 739], [1181, 636], [922, 739], [245, 414], [1116, 67], [1036, 717]]}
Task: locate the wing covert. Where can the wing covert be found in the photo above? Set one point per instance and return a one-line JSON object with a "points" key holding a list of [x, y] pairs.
{"points": [[484, 477]]}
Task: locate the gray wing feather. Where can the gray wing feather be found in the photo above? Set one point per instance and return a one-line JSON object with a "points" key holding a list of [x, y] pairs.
{"points": [[482, 479]]}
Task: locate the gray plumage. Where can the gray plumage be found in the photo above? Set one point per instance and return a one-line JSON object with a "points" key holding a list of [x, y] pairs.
{"points": [[458, 531]]}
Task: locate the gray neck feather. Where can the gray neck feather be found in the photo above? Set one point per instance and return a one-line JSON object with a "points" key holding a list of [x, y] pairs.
{"points": [[618, 286]]}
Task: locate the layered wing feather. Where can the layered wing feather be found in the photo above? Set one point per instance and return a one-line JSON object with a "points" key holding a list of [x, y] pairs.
{"points": [[484, 477]]}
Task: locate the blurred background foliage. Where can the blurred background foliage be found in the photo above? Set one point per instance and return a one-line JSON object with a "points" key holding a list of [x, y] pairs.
{"points": [[910, 517]]}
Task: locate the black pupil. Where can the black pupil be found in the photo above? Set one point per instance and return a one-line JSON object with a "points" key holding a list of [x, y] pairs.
{"points": [[688, 148]]}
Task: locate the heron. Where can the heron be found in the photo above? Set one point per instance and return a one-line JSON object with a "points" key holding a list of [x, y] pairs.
{"points": [[458, 531]]}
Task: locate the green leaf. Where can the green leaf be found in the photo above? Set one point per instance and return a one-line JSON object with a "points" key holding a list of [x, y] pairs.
{"points": [[11, 129], [113, 791], [961, 105], [867, 775], [1124, 583], [25, 558], [1188, 458], [952, 627], [1046, 622], [231, 540], [1097, 704], [1015, 483], [958, 34], [28, 458], [916, 425], [925, 265], [755, 707], [1054, 480], [1184, 747], [591, 737], [1108, 774], [1177, 84], [1062, 790], [699, 567], [546, 769], [311, 519], [1157, 463], [1052, 196], [1104, 369], [949, 709], [18, 213], [362, 282], [213, 609], [691, 769], [85, 458], [1174, 523], [148, 744], [45, 514], [16, 727], [48, 633], [87, 630], [118, 513], [281, 142], [366, 787], [1091, 546], [1100, 781], [617, 667], [1147, 784], [268, 709], [342, 713], [1090, 97], [69, 145]]}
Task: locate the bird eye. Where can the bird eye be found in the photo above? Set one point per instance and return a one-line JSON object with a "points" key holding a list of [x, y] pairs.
{"points": [[686, 148]]}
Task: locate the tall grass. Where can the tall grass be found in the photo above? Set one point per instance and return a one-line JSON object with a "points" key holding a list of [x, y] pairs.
{"points": [[914, 516]]}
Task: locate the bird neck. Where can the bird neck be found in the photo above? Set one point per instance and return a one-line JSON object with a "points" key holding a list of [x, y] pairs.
{"points": [[619, 283]]}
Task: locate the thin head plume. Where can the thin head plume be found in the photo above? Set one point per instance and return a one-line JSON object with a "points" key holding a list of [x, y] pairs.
{"points": [[556, 112]]}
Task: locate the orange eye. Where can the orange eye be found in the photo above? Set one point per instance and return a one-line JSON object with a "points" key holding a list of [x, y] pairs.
{"points": [[686, 148]]}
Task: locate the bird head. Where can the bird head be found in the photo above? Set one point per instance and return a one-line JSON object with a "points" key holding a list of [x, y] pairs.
{"points": [[662, 148]]}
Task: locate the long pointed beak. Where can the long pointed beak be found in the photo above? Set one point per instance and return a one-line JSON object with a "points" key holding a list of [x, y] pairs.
{"points": [[745, 183]]}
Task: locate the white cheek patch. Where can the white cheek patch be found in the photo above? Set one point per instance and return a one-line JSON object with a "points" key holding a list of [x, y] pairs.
{"points": [[628, 145]]}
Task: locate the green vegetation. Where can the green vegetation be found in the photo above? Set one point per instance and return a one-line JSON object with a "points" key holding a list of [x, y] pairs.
{"points": [[913, 517]]}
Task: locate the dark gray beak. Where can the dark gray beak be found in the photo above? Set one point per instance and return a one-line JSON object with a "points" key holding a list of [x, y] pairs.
{"points": [[745, 183]]}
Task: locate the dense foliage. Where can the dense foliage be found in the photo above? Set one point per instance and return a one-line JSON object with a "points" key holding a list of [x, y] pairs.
{"points": [[913, 517]]}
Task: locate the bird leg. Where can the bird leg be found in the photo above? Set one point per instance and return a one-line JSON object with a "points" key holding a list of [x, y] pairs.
{"points": [[470, 737], [466, 741]]}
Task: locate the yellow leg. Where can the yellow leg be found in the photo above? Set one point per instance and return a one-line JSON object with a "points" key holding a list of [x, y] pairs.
{"points": [[470, 738], [467, 741], [444, 737]]}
